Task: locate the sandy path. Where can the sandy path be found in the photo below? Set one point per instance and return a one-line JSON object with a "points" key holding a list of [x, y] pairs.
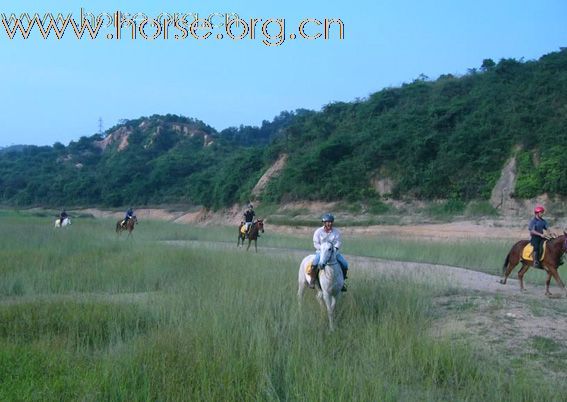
{"points": [[420, 272]]}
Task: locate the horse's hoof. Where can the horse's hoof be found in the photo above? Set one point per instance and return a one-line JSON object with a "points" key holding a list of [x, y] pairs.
{"points": [[502, 281], [523, 289]]}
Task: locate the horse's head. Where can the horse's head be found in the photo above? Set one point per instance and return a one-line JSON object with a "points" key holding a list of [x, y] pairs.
{"points": [[134, 219], [328, 254], [558, 243], [260, 223]]}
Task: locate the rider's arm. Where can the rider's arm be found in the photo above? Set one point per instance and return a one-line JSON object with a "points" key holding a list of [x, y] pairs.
{"points": [[316, 240], [338, 242]]}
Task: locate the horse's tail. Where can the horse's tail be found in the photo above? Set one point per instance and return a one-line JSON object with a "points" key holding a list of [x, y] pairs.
{"points": [[506, 262]]}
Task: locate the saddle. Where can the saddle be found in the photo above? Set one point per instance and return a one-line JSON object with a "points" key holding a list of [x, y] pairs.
{"points": [[527, 252], [312, 271]]}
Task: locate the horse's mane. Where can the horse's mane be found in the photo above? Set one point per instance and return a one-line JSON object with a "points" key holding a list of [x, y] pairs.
{"points": [[556, 245], [557, 240]]}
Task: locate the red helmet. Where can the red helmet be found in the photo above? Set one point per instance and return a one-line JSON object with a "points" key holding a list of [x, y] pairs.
{"points": [[539, 209]]}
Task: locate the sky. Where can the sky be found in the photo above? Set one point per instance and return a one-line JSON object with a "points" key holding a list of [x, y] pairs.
{"points": [[58, 90]]}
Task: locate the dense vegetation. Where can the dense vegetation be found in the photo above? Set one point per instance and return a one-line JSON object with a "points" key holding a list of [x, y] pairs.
{"points": [[435, 139]]}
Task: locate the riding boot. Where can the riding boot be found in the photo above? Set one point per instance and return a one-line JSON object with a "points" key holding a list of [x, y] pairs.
{"points": [[536, 259], [344, 289]]}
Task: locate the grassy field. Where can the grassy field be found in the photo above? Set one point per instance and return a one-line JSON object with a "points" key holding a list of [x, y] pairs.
{"points": [[85, 315]]}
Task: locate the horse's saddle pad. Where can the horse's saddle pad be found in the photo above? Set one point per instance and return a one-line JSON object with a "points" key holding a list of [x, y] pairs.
{"points": [[309, 267], [242, 229], [528, 251]]}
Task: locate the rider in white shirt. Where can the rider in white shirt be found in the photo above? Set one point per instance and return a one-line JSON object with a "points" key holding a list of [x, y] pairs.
{"points": [[328, 233]]}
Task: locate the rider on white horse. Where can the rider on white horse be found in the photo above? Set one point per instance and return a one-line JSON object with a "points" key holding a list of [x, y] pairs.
{"points": [[62, 216], [328, 233]]}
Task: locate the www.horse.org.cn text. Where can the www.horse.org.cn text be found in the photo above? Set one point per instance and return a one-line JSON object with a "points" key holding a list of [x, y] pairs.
{"points": [[168, 26]]}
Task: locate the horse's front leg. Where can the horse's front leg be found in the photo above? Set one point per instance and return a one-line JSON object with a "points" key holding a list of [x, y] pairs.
{"points": [[330, 305], [256, 245], [553, 271], [249, 243], [547, 283]]}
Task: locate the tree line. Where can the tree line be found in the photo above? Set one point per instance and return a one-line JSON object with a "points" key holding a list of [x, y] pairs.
{"points": [[446, 138]]}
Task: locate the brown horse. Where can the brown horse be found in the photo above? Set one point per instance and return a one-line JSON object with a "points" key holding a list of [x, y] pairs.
{"points": [[129, 225], [555, 249], [255, 227]]}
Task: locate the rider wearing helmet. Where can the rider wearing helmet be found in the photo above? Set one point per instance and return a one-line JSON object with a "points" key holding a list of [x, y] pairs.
{"points": [[328, 233], [62, 216], [537, 228], [129, 214], [248, 217]]}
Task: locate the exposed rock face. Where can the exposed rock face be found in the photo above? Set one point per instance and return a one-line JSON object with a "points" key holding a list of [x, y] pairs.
{"points": [[501, 197], [383, 186], [273, 171], [502, 194], [120, 135]]}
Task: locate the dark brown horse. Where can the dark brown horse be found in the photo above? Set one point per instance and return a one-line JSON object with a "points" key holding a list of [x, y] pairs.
{"points": [[129, 225], [255, 227], [555, 249]]}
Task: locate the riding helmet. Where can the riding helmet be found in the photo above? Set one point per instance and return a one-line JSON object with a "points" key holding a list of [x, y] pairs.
{"points": [[327, 218], [539, 209]]}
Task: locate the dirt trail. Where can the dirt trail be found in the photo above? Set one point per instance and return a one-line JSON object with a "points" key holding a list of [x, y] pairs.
{"points": [[453, 277]]}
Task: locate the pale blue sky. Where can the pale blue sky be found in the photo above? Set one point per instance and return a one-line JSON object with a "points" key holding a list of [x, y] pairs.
{"points": [[56, 90]]}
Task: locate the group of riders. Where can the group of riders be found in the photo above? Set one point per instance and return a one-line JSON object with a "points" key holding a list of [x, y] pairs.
{"points": [[327, 233], [129, 215]]}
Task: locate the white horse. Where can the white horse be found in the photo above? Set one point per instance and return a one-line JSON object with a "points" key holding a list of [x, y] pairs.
{"points": [[59, 224], [330, 278]]}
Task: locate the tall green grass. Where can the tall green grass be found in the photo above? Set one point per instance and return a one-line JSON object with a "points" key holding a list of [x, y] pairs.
{"points": [[98, 317]]}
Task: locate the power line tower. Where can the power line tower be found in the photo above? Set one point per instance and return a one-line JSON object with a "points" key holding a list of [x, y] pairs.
{"points": [[100, 127]]}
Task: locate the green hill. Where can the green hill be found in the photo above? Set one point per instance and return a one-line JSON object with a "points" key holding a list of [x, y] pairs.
{"points": [[430, 139]]}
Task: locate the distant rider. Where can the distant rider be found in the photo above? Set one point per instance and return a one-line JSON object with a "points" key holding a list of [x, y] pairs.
{"points": [[332, 235], [537, 228], [62, 216], [128, 216], [248, 218]]}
